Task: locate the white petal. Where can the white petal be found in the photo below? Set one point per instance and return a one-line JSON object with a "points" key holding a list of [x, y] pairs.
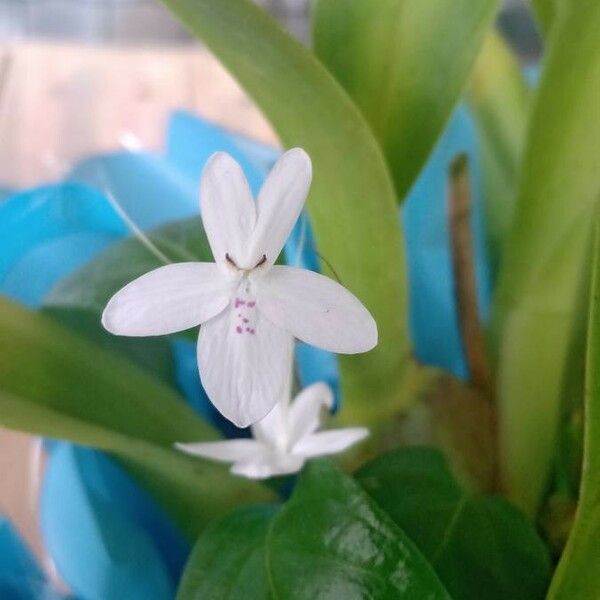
{"points": [[317, 310], [329, 442], [168, 299], [269, 466], [225, 451], [305, 411], [279, 204], [227, 208], [244, 368], [272, 430]]}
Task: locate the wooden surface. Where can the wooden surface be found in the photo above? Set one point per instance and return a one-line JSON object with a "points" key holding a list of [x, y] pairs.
{"points": [[60, 103]]}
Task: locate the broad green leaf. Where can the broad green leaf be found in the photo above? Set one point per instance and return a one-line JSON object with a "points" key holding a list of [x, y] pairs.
{"points": [[474, 542], [331, 540], [499, 98], [56, 384], [578, 574], [352, 202], [405, 63], [228, 560], [546, 250]]}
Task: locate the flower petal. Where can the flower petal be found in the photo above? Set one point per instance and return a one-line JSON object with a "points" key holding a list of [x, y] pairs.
{"points": [[279, 204], [168, 299], [228, 210], [272, 429], [225, 451], [317, 310], [244, 368], [305, 411], [270, 466], [329, 442]]}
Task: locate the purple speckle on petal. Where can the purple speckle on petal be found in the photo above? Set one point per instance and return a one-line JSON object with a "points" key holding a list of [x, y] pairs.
{"points": [[238, 329], [239, 302], [245, 320], [251, 303]]}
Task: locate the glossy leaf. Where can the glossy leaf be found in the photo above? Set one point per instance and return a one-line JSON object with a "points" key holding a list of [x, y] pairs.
{"points": [[405, 63], [578, 574], [56, 384], [474, 542], [331, 540], [546, 251], [352, 201], [499, 98], [228, 560]]}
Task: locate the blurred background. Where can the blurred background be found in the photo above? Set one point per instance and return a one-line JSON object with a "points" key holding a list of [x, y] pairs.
{"points": [[80, 77]]}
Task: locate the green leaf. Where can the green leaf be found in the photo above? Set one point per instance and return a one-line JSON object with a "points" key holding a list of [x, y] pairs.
{"points": [[405, 63], [228, 560], [546, 250], [499, 99], [352, 202], [578, 574], [332, 541], [153, 354], [545, 11], [473, 542], [56, 384]]}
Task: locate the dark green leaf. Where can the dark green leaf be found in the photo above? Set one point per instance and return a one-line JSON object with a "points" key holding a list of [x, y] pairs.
{"points": [[352, 202], [578, 573], [332, 541], [481, 547], [228, 560], [405, 63], [546, 251], [57, 384]]}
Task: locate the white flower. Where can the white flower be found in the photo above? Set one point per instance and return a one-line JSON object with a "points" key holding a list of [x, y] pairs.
{"points": [[284, 439], [250, 309]]}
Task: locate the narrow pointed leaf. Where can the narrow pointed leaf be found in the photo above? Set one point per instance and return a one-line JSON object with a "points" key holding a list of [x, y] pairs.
{"points": [[578, 574], [546, 250], [405, 63], [352, 202], [499, 98], [55, 384]]}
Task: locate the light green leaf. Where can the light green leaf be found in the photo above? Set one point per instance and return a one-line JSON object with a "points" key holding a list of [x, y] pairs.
{"points": [[499, 98], [56, 384], [405, 63], [578, 574], [546, 250], [228, 560], [331, 540], [352, 203], [454, 527]]}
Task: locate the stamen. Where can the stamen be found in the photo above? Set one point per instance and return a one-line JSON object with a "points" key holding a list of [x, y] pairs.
{"points": [[230, 260], [262, 261]]}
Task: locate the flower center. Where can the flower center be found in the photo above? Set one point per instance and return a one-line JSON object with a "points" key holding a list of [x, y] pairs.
{"points": [[232, 262]]}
